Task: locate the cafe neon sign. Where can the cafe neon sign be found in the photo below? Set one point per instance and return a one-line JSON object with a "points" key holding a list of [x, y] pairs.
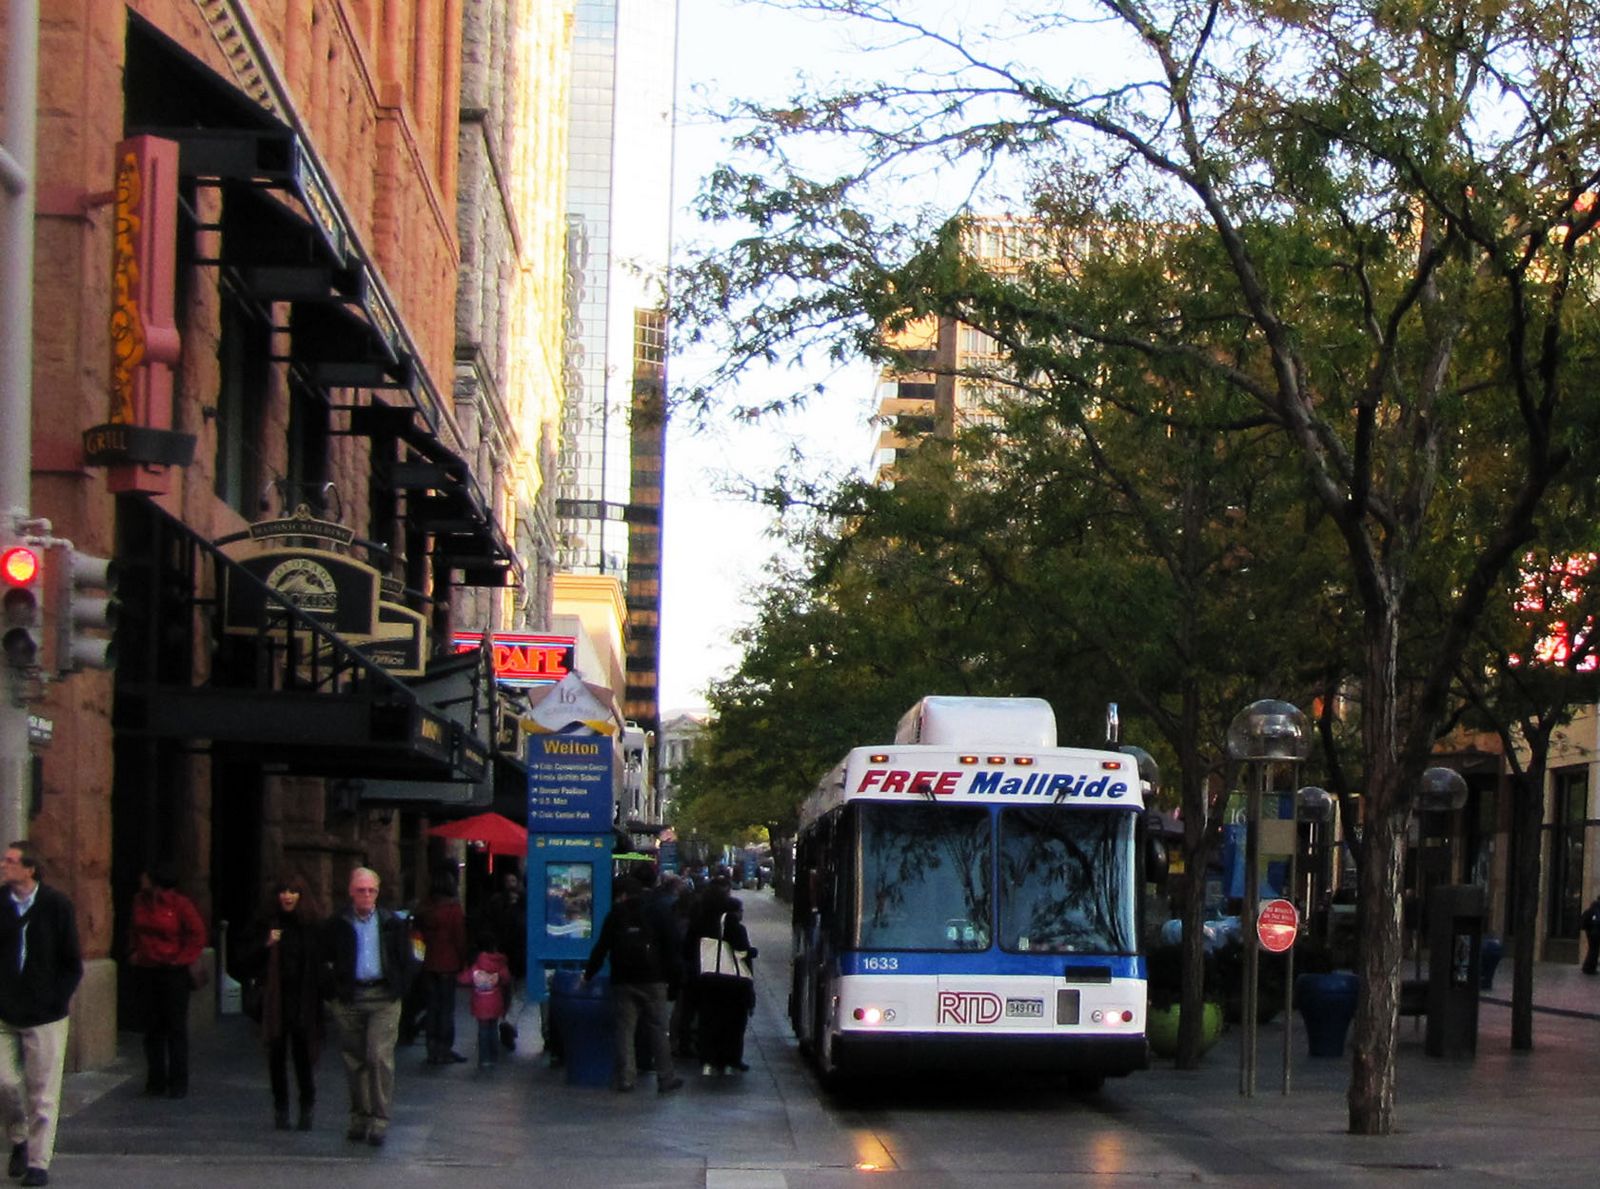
{"points": [[522, 659]]}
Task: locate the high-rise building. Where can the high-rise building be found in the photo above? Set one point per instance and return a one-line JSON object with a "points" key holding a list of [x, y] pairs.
{"points": [[953, 374], [619, 205]]}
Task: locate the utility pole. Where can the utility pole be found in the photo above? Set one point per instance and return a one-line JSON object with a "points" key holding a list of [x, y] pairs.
{"points": [[17, 178]]}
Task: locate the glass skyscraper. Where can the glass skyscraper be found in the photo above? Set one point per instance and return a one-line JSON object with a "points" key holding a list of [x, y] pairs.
{"points": [[620, 224]]}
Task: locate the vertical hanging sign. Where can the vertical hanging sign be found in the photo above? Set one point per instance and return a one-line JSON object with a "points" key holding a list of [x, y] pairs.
{"points": [[137, 443]]}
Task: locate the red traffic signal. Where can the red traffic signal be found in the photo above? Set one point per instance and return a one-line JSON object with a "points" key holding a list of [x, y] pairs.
{"points": [[19, 566], [21, 612]]}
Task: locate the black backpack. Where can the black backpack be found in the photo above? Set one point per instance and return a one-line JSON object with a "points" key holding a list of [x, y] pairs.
{"points": [[635, 956]]}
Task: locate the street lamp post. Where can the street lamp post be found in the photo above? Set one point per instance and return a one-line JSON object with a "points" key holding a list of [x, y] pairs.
{"points": [[1264, 733], [1443, 791]]}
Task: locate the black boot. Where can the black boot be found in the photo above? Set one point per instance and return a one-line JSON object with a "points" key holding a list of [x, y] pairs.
{"points": [[305, 1118], [280, 1118]]}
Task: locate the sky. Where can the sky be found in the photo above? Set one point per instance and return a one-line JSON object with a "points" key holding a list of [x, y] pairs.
{"points": [[716, 545]]}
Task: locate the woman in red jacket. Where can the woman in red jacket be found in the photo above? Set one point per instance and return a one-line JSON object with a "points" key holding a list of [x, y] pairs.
{"points": [[166, 939], [443, 925]]}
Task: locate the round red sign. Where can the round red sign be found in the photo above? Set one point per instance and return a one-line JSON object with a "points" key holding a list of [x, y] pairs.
{"points": [[1276, 925]]}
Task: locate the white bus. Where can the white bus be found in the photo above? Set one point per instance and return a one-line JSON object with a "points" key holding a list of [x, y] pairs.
{"points": [[966, 898]]}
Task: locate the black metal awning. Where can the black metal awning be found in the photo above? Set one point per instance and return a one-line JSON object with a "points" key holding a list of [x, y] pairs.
{"points": [[284, 239], [295, 696], [441, 497]]}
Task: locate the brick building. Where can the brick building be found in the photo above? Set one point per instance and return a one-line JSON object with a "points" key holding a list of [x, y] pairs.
{"points": [[353, 210]]}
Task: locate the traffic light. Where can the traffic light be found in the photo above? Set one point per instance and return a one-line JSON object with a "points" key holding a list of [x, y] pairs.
{"points": [[22, 572], [83, 602]]}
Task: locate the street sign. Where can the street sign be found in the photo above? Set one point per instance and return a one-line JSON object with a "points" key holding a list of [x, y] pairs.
{"points": [[1276, 925]]}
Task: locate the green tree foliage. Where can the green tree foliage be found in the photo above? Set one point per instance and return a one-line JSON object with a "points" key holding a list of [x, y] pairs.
{"points": [[1391, 267]]}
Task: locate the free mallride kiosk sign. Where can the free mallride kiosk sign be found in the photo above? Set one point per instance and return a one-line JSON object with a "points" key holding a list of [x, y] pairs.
{"points": [[569, 784]]}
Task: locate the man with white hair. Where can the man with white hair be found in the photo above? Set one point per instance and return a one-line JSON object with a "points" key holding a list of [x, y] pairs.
{"points": [[41, 963], [373, 964]]}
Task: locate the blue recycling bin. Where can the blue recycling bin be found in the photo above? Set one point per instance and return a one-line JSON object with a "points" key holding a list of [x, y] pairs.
{"points": [[581, 1017], [1327, 1003]]}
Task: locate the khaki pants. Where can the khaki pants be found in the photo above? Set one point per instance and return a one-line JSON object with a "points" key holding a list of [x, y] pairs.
{"points": [[368, 1028], [31, 1060]]}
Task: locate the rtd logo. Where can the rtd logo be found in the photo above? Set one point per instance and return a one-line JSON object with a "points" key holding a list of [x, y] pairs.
{"points": [[969, 1007]]}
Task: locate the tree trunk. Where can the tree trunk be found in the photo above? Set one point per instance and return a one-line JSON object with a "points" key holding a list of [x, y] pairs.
{"points": [[1372, 1077], [1383, 846]]}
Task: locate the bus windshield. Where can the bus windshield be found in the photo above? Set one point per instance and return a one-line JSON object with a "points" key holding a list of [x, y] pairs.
{"points": [[1066, 880], [925, 877]]}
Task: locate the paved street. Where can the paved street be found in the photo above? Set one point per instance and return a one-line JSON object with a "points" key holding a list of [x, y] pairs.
{"points": [[1498, 1120]]}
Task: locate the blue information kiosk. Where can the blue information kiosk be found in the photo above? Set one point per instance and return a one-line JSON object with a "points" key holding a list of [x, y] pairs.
{"points": [[569, 851]]}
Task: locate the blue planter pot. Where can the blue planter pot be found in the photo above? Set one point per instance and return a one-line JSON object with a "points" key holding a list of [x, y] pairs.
{"points": [[1327, 1003]]}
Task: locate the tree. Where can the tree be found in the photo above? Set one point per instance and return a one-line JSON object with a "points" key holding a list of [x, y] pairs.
{"points": [[1398, 229]]}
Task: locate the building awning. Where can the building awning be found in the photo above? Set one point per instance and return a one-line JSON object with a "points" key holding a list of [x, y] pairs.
{"points": [[441, 496], [296, 697], [283, 238]]}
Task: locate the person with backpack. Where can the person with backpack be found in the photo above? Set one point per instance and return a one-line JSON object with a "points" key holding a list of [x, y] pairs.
{"points": [[644, 970]]}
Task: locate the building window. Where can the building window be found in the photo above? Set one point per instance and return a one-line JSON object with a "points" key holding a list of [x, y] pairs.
{"points": [[1568, 817], [243, 355], [308, 454]]}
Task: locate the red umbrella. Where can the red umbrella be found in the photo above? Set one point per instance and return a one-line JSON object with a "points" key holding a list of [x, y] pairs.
{"points": [[502, 835]]}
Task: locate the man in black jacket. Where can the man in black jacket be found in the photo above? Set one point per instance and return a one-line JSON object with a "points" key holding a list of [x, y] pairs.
{"points": [[40, 966], [370, 951], [645, 965]]}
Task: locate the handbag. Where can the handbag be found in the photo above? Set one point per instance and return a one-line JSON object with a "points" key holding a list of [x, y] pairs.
{"points": [[199, 976], [717, 955]]}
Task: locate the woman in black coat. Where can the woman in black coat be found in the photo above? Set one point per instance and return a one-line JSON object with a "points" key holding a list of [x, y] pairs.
{"points": [[722, 1000], [284, 952]]}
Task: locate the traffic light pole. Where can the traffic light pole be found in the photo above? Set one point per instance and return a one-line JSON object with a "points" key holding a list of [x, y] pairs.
{"points": [[17, 178]]}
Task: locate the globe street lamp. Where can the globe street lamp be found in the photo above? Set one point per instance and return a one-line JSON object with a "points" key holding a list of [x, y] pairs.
{"points": [[1264, 733]]}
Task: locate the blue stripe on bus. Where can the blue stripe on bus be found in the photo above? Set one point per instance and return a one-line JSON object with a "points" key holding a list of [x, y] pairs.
{"points": [[987, 962]]}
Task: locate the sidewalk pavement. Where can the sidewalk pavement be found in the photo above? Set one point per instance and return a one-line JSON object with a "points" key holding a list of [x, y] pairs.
{"points": [[1500, 1118]]}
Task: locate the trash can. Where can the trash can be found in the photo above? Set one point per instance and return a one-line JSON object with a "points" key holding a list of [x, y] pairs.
{"points": [[581, 1015], [1327, 1003]]}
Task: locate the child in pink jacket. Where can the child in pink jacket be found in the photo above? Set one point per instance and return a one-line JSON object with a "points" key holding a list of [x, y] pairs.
{"points": [[489, 976]]}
